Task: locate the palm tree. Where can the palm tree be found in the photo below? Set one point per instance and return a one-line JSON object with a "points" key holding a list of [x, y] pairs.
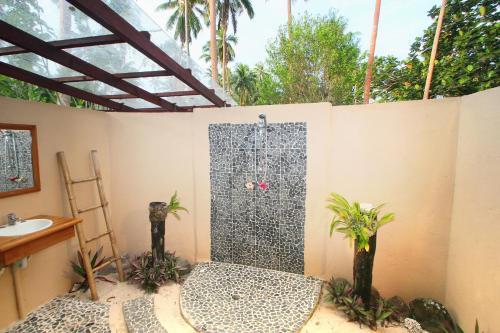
{"points": [[243, 82], [289, 11], [187, 18], [231, 41], [230, 10], [371, 54], [213, 39]]}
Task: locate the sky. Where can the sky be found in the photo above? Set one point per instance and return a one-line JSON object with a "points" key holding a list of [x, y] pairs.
{"points": [[400, 22]]}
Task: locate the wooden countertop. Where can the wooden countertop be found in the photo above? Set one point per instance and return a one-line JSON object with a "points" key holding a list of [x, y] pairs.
{"points": [[59, 225]]}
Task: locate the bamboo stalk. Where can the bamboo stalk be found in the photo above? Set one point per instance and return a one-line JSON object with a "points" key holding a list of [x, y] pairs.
{"points": [[371, 56], [435, 44], [107, 215], [78, 227]]}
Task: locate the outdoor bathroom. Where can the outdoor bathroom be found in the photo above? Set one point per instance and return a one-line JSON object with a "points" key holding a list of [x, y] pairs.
{"points": [[414, 156], [297, 181]]}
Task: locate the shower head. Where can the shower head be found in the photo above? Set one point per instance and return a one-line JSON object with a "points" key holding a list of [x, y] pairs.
{"points": [[262, 121]]}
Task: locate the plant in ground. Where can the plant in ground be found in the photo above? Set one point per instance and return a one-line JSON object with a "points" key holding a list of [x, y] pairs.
{"points": [[379, 313], [151, 275], [79, 268], [359, 223]]}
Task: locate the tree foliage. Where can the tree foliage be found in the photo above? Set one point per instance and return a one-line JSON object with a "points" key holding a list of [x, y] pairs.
{"points": [[317, 62], [197, 16], [467, 56]]}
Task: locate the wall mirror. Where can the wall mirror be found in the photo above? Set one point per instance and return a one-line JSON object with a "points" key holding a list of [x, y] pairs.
{"points": [[19, 172]]}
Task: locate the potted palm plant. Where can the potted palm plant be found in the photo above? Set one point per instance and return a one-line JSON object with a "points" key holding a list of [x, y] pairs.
{"points": [[359, 223], [158, 212]]}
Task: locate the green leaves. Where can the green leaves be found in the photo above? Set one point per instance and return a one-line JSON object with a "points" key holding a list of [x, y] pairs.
{"points": [[152, 276], [354, 222], [467, 55], [174, 206]]}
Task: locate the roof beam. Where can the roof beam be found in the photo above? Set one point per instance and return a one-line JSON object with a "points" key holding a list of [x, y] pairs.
{"points": [[22, 39], [72, 43], [188, 108], [129, 75], [112, 21], [160, 94], [24, 75]]}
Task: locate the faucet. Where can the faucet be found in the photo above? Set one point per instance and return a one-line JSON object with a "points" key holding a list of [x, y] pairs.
{"points": [[12, 219]]}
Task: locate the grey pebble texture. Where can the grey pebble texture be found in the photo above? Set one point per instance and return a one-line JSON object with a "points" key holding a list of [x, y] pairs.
{"points": [[66, 314], [140, 316], [230, 298]]}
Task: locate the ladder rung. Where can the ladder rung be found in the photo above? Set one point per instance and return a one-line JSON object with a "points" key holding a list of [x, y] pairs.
{"points": [[97, 237], [91, 208], [83, 180], [105, 264]]}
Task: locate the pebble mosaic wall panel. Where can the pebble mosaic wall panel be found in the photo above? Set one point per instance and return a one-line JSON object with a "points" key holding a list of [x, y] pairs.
{"points": [[258, 227]]}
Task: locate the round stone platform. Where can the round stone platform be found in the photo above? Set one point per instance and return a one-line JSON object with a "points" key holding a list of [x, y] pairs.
{"points": [[230, 298]]}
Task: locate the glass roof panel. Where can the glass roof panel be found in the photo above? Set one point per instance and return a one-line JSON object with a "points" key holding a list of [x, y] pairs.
{"points": [[96, 87], [52, 20], [115, 58], [136, 103], [160, 84], [39, 65], [189, 100]]}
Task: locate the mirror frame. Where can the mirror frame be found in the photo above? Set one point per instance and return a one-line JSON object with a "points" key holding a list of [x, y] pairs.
{"points": [[34, 160]]}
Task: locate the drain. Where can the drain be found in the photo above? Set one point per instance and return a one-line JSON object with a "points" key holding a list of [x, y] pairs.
{"points": [[235, 297]]}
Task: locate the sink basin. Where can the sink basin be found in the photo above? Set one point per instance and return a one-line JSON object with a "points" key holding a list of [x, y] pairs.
{"points": [[26, 227]]}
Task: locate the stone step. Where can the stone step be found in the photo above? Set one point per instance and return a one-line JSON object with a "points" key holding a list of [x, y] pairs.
{"points": [[140, 316], [66, 314]]}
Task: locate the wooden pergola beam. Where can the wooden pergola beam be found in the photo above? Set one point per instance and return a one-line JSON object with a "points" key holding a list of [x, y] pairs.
{"points": [[104, 15], [130, 75], [160, 94], [188, 108], [26, 76], [72, 43], [22, 39]]}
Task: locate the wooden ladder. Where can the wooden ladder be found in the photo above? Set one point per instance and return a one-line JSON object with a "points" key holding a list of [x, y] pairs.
{"points": [[82, 240]]}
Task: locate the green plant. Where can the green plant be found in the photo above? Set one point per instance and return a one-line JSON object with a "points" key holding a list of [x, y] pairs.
{"points": [[359, 223], [336, 289], [150, 276], [174, 207], [340, 293], [79, 268], [355, 222]]}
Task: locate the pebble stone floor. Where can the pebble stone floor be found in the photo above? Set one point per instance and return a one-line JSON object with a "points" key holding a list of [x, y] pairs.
{"points": [[140, 316], [230, 298], [66, 314]]}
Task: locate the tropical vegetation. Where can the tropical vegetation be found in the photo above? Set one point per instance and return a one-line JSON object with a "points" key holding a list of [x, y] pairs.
{"points": [[151, 276], [196, 17], [229, 11], [359, 223], [467, 59], [96, 260]]}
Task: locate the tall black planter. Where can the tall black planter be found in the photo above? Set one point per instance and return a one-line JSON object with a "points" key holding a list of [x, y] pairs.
{"points": [[363, 269], [157, 215]]}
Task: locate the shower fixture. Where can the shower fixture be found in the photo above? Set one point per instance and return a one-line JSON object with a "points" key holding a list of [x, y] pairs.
{"points": [[262, 123]]}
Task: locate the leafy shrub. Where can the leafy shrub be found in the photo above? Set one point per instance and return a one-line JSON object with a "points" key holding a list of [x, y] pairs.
{"points": [[151, 276], [381, 312], [78, 267]]}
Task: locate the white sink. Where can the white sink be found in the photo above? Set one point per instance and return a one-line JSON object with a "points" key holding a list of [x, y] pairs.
{"points": [[26, 227]]}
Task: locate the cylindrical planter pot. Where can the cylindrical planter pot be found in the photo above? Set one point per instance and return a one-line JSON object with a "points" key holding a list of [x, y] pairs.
{"points": [[157, 215], [363, 269]]}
